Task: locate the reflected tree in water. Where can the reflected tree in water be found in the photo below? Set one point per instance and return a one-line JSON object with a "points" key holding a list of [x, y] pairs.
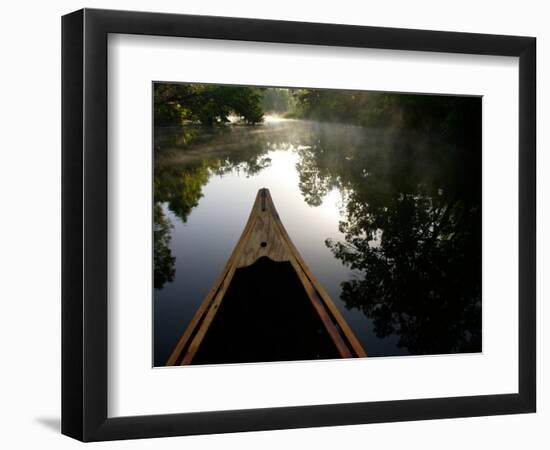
{"points": [[164, 261], [412, 223], [182, 189], [179, 185], [182, 169], [420, 260], [313, 182]]}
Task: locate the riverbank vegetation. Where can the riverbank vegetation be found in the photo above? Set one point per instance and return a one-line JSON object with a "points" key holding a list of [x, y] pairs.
{"points": [[442, 114], [205, 104]]}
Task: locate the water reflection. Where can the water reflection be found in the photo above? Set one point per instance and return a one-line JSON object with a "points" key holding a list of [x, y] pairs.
{"points": [[389, 221]]}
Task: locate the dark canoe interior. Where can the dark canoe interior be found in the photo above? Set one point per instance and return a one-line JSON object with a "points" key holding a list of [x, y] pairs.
{"points": [[265, 316]]}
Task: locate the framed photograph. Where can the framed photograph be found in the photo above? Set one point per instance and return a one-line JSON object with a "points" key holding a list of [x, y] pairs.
{"points": [[273, 224]]}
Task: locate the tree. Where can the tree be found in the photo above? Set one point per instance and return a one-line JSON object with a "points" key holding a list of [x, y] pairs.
{"points": [[207, 104], [439, 114]]}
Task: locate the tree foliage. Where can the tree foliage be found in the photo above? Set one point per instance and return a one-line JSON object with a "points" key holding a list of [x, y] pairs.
{"points": [[204, 103], [440, 114]]}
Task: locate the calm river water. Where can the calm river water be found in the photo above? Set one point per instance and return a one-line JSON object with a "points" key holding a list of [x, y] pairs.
{"points": [[389, 221]]}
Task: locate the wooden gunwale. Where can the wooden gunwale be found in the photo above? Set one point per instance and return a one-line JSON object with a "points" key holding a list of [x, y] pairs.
{"points": [[265, 235]]}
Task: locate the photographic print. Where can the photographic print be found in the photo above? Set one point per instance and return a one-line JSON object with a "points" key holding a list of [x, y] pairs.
{"points": [[295, 224]]}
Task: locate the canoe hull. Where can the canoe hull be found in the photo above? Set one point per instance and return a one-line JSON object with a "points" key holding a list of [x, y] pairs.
{"points": [[265, 238]]}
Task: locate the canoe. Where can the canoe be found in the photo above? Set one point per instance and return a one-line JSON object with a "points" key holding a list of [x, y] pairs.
{"points": [[266, 305]]}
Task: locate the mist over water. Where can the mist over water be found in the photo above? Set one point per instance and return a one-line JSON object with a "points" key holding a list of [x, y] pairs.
{"points": [[388, 220]]}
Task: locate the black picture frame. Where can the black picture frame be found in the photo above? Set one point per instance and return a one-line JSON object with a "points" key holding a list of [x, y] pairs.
{"points": [[84, 224]]}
